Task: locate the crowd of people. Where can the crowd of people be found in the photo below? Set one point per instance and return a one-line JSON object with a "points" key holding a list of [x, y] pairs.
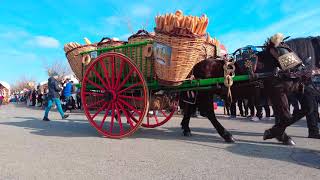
{"points": [[247, 108], [66, 93]]}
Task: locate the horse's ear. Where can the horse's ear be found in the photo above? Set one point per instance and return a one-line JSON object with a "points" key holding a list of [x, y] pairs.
{"points": [[286, 38]]}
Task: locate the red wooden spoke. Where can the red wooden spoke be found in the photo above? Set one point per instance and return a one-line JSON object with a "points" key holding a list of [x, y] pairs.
{"points": [[112, 73], [126, 114], [105, 72], [101, 79], [99, 110], [133, 118], [98, 102], [95, 84], [155, 120], [132, 97], [112, 118], [130, 107], [119, 74], [148, 121], [130, 87], [119, 119], [105, 115], [94, 93], [163, 113], [155, 117], [125, 79]]}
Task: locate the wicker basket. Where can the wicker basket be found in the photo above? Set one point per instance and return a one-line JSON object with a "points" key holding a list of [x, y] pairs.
{"points": [[108, 42], [144, 66], [185, 53], [208, 50], [75, 60]]}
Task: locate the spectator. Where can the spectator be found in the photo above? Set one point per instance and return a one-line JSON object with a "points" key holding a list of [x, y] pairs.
{"points": [[292, 100], [16, 98], [263, 104], [67, 91], [34, 97], [78, 98], [1, 99], [242, 105], [40, 99], [74, 94], [53, 96], [233, 110]]}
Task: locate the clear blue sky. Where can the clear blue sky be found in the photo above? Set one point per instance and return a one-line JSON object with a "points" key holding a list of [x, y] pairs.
{"points": [[32, 33]]}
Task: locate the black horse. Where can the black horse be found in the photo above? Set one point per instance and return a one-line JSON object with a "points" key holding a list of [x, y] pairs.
{"points": [[298, 82], [276, 85], [203, 100]]}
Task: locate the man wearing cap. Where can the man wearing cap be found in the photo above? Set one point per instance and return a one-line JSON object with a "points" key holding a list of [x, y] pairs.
{"points": [[54, 96]]}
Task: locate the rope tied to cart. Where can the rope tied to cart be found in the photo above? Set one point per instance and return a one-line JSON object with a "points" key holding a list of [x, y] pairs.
{"points": [[229, 73]]}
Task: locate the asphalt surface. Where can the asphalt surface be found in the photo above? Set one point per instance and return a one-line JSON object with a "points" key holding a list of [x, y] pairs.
{"points": [[72, 149]]}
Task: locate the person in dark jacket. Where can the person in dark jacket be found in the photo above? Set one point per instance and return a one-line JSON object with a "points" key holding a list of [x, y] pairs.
{"points": [[54, 96], [40, 99], [34, 97]]}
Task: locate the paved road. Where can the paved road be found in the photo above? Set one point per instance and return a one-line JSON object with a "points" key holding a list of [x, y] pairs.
{"points": [[71, 149]]}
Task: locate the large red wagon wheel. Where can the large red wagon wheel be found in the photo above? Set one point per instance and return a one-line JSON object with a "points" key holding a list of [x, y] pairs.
{"points": [[111, 88]]}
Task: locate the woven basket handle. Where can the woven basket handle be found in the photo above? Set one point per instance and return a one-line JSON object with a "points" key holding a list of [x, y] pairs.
{"points": [[143, 32], [103, 39]]}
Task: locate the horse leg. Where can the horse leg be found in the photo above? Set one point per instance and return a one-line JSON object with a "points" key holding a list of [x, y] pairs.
{"points": [[206, 105], [280, 104], [284, 138], [226, 135], [306, 101], [187, 112], [309, 107]]}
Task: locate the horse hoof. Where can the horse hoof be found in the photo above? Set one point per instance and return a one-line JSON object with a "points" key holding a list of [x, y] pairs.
{"points": [[187, 133], [314, 136], [267, 135], [289, 142], [286, 140], [229, 139]]}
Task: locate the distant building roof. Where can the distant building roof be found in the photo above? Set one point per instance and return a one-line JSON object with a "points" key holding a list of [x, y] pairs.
{"points": [[5, 84]]}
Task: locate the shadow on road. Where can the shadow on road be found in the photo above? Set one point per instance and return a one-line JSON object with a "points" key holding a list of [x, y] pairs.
{"points": [[253, 149], [206, 137], [296, 155], [59, 128]]}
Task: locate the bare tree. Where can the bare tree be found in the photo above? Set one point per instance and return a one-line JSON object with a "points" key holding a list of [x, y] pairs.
{"points": [[59, 67], [23, 83]]}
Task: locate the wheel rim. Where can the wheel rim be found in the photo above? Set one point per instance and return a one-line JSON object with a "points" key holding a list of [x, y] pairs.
{"points": [[112, 87], [156, 118]]}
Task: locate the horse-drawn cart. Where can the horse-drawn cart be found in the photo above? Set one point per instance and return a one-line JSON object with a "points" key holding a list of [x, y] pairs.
{"points": [[118, 96], [124, 86]]}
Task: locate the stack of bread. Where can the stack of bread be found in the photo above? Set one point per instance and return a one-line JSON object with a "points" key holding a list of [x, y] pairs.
{"points": [[182, 25], [182, 38], [71, 45]]}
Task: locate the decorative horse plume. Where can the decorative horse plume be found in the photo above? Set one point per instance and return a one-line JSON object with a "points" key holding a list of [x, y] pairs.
{"points": [[277, 39]]}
